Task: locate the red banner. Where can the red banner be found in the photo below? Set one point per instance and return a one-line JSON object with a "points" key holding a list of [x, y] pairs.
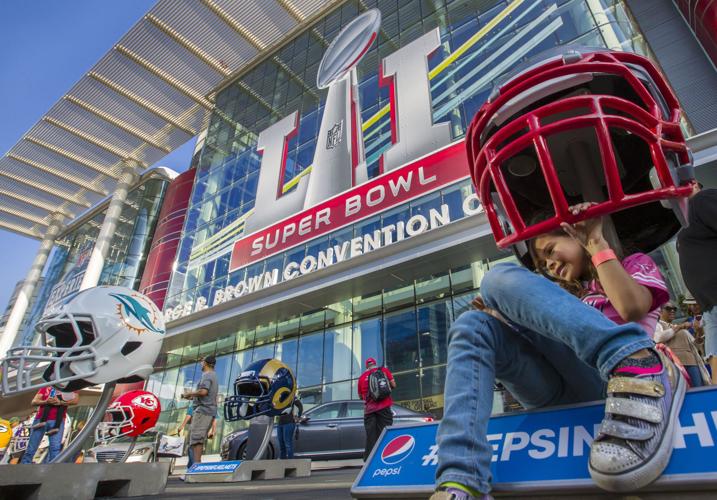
{"points": [[398, 186]]}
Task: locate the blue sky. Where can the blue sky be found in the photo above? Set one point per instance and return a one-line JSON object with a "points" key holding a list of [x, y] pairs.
{"points": [[45, 47]]}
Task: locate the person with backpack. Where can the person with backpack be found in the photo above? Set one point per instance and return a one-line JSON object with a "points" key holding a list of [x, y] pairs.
{"points": [[374, 387]]}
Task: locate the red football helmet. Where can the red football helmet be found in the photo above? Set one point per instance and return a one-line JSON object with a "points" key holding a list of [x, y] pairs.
{"points": [[583, 125], [131, 414]]}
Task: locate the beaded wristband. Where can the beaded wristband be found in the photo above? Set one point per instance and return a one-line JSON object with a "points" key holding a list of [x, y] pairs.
{"points": [[603, 256]]}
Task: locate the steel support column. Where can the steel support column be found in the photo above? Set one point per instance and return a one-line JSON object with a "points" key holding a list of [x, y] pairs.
{"points": [[22, 301], [109, 224]]}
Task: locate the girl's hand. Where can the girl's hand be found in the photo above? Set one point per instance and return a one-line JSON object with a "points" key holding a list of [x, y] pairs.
{"points": [[480, 305], [587, 233]]}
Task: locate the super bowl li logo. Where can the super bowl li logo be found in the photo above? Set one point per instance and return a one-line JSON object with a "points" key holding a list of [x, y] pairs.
{"points": [[137, 314]]}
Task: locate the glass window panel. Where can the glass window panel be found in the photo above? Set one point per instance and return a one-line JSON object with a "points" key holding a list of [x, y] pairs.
{"points": [[467, 277], [225, 344], [265, 351], [367, 305], [432, 383], [190, 353], [206, 349], [408, 390], [337, 354], [401, 340], [242, 359], [312, 321], [337, 392], [244, 339], [368, 343], [432, 287], [265, 333], [398, 297], [288, 328], [167, 390], [286, 351], [338, 313], [434, 320], [186, 381], [224, 369], [308, 371]]}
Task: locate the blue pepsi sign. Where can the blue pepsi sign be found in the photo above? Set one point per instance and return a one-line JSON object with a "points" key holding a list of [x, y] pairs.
{"points": [[214, 467], [542, 449]]}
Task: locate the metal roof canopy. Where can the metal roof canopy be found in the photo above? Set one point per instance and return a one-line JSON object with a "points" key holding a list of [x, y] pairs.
{"points": [[144, 98]]}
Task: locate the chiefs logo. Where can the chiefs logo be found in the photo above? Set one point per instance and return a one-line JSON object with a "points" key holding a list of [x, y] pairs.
{"points": [[146, 401]]}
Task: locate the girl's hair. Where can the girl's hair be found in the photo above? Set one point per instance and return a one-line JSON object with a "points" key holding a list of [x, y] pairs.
{"points": [[575, 287]]}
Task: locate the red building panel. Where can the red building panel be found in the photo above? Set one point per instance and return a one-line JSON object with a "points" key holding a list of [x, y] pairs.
{"points": [[701, 15], [158, 268]]}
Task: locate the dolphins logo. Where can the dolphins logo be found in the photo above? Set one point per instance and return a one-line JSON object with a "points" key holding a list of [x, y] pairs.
{"points": [[133, 309]]}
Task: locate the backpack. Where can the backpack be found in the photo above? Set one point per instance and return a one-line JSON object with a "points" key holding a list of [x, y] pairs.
{"points": [[378, 385]]}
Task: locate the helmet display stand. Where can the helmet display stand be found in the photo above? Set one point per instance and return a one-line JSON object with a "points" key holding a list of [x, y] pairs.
{"points": [[256, 452]]}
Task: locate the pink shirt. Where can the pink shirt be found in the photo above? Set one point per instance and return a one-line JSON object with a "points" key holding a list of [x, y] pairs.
{"points": [[644, 271]]}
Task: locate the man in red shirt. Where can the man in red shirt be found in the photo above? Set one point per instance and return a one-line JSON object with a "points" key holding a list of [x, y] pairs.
{"points": [[50, 401], [377, 414]]}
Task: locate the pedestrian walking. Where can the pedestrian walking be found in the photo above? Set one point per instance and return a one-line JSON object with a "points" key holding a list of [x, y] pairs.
{"points": [[374, 387], [204, 408]]}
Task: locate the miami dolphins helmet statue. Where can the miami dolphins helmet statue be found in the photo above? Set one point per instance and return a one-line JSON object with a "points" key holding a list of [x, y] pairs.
{"points": [[581, 125], [95, 336]]}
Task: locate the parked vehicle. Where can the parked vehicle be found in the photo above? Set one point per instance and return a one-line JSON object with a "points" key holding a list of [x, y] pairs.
{"points": [[145, 450], [326, 432]]}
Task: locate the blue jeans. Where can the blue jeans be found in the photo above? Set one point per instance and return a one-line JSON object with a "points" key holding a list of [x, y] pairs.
{"points": [[285, 433], [190, 457], [557, 350], [709, 319], [35, 438], [695, 375]]}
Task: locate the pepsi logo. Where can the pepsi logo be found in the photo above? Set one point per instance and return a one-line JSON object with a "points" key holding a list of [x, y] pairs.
{"points": [[398, 449]]}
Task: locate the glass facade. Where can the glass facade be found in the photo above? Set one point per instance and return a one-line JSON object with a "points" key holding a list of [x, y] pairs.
{"points": [[404, 325], [128, 249], [481, 40]]}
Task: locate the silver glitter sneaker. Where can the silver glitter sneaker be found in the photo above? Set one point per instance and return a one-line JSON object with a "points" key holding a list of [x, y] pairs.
{"points": [[634, 442], [449, 493]]}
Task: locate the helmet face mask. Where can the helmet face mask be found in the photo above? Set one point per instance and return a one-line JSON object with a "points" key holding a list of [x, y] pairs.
{"points": [[117, 423], [100, 335], [584, 126], [266, 387]]}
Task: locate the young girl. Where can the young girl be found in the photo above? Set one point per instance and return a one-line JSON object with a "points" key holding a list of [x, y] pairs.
{"points": [[557, 339]]}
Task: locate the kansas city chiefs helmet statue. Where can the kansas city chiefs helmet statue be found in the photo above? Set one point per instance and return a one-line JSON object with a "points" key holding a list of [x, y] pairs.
{"points": [[96, 336], [130, 415], [581, 125]]}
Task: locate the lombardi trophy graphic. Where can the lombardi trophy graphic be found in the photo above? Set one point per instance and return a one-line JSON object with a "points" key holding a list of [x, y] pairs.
{"points": [[340, 140]]}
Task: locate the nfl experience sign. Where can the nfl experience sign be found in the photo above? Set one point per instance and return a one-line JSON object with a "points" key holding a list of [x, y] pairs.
{"points": [[539, 451]]}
